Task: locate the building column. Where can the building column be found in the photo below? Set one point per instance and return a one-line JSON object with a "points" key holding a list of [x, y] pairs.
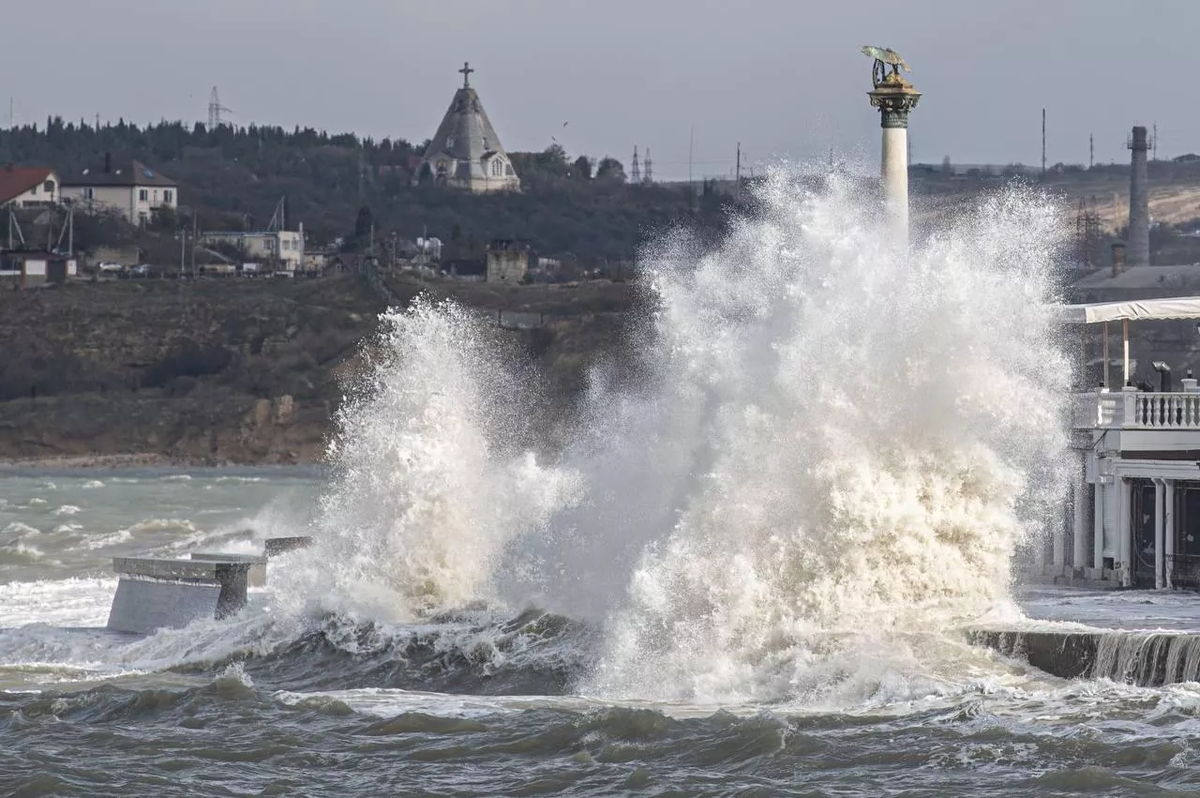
{"points": [[1079, 520], [1159, 492], [1058, 547], [1168, 531], [1098, 520], [1124, 530]]}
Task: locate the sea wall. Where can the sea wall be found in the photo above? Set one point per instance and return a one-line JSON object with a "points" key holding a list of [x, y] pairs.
{"points": [[1143, 658]]}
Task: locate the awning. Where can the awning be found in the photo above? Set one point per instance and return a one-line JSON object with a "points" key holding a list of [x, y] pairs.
{"points": [[1184, 307]]}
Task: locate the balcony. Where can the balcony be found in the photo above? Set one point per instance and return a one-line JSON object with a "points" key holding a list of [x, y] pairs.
{"points": [[1141, 410]]}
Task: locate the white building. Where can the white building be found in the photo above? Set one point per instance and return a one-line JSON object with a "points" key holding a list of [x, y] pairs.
{"points": [[1136, 500], [284, 248], [465, 152], [133, 189], [28, 186]]}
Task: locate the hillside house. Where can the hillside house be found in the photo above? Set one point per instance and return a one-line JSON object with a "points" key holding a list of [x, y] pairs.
{"points": [[28, 186], [507, 261], [284, 248], [133, 189]]}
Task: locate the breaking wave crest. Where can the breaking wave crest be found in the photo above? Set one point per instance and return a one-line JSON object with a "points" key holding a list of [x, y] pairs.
{"points": [[836, 449]]}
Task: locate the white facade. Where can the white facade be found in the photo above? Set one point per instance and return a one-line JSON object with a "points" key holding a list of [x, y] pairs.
{"points": [[44, 191], [1135, 519], [136, 203], [286, 247]]}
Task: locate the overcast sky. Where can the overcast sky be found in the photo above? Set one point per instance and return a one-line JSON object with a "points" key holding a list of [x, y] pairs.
{"points": [[784, 77]]}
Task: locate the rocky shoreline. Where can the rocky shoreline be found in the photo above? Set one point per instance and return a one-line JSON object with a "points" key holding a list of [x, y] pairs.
{"points": [[110, 461]]}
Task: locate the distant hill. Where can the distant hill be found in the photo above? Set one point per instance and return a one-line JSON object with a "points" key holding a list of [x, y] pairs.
{"points": [[249, 371], [233, 178]]}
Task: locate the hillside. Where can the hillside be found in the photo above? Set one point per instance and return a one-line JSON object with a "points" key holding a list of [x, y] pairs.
{"points": [[1174, 192], [234, 178], [243, 371]]}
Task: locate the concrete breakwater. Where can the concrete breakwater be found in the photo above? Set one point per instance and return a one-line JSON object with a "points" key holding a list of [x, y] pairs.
{"points": [[155, 593], [1134, 657]]}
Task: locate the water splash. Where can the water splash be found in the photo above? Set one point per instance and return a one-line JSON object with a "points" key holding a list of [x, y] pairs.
{"points": [[834, 447], [873, 426], [430, 481]]}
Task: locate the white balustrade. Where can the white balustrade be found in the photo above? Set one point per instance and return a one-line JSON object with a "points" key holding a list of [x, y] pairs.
{"points": [[1144, 410]]}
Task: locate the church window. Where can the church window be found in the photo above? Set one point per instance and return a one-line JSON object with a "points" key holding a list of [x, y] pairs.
{"points": [[449, 141], [497, 168]]}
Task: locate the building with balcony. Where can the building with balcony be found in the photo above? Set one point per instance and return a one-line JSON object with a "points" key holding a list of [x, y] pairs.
{"points": [[1135, 501]]}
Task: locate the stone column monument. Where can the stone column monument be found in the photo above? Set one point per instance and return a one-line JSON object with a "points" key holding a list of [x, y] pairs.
{"points": [[894, 97]]}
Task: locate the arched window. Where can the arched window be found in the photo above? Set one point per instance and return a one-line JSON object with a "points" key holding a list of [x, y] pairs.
{"points": [[497, 168]]}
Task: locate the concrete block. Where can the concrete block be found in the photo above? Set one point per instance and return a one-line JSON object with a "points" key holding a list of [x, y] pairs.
{"points": [[276, 546], [1093, 574], [145, 605], [155, 593], [257, 575]]}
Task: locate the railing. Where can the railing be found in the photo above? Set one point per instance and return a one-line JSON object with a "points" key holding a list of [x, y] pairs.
{"points": [[1137, 410], [1162, 410]]}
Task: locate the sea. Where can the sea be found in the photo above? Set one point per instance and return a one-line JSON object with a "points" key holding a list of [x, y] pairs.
{"points": [[747, 569]]}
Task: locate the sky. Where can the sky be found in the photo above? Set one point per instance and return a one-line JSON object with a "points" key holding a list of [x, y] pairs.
{"points": [[785, 78]]}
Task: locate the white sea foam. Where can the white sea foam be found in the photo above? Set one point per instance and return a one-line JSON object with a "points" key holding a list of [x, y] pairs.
{"points": [[429, 485], [830, 458], [836, 447], [877, 433]]}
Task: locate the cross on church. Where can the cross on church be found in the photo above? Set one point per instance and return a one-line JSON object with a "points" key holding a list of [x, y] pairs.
{"points": [[466, 73]]}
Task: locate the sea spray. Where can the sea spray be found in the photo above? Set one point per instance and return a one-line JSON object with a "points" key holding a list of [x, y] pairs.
{"points": [[831, 455], [871, 423], [429, 478]]}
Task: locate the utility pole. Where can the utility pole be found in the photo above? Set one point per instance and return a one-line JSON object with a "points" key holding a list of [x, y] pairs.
{"points": [[691, 146], [1154, 144], [738, 173], [1043, 142], [361, 170], [1091, 150]]}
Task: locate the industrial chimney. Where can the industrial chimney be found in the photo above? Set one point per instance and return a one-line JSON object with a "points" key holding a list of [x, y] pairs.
{"points": [[1138, 253]]}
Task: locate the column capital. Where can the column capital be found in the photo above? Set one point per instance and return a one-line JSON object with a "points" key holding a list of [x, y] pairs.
{"points": [[895, 98]]}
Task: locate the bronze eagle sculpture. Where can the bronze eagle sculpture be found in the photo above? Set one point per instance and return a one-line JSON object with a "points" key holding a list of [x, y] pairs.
{"points": [[884, 58]]}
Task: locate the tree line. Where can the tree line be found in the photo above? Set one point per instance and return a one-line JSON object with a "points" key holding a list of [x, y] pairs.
{"points": [[232, 177]]}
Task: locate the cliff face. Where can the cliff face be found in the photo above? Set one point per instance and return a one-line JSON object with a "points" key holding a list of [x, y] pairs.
{"points": [[239, 371]]}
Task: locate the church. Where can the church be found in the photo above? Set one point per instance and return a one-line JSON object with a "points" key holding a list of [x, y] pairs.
{"points": [[465, 153]]}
